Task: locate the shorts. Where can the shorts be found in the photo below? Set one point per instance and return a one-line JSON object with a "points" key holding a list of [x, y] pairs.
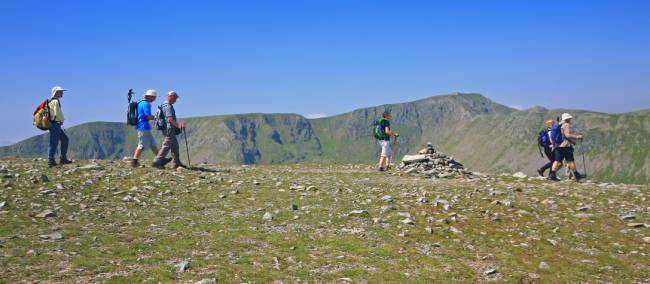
{"points": [[145, 140], [564, 153], [386, 150]]}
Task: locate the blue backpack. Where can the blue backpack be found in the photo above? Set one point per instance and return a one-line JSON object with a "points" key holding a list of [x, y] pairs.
{"points": [[556, 134], [542, 139]]}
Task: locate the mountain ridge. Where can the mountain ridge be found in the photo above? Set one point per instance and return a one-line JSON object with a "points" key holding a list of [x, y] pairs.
{"points": [[484, 135]]}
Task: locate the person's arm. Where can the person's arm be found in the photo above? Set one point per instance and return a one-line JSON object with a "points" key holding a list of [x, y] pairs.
{"points": [[174, 123]]}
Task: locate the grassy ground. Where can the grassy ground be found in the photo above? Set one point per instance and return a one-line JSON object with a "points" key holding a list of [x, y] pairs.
{"points": [[124, 225]]}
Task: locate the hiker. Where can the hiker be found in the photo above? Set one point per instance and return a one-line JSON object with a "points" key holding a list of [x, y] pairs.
{"points": [[428, 150], [145, 138], [171, 128], [544, 141], [383, 133], [56, 132], [564, 142]]}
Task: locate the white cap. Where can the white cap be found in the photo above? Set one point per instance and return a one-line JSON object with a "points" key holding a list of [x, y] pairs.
{"points": [[429, 144], [56, 89], [173, 93], [151, 93], [566, 116]]}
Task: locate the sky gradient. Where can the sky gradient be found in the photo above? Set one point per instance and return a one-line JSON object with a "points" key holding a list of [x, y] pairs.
{"points": [[319, 57]]}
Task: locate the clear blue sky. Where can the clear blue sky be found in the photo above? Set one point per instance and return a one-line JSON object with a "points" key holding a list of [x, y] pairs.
{"points": [[319, 57]]}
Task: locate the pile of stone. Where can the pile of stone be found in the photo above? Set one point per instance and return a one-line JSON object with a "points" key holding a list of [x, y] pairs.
{"points": [[435, 165]]}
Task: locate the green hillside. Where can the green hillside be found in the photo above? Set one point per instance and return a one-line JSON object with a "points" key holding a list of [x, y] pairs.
{"points": [[483, 135]]}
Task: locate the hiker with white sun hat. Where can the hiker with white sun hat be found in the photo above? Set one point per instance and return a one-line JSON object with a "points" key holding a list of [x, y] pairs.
{"points": [[564, 141], [57, 135]]}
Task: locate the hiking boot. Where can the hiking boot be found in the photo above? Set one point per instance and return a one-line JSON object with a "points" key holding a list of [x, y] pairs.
{"points": [[552, 176], [161, 165], [179, 165], [381, 169], [135, 163], [578, 176], [52, 164], [540, 172], [65, 161]]}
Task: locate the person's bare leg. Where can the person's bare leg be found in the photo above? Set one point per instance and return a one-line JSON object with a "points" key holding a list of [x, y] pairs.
{"points": [[382, 161], [137, 154]]}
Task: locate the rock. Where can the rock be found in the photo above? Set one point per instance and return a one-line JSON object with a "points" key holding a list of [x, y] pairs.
{"points": [[455, 231], [422, 200], [636, 225], [206, 281], [297, 187], [56, 236], [409, 159], [490, 271], [44, 178], [544, 266], [583, 215], [628, 217], [429, 230], [387, 198], [95, 167], [267, 216], [358, 213], [3, 204], [519, 175], [583, 208], [552, 242], [46, 214], [646, 240], [293, 207], [183, 266], [311, 188], [408, 221]]}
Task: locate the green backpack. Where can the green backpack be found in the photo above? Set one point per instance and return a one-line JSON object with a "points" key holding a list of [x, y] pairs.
{"points": [[379, 131]]}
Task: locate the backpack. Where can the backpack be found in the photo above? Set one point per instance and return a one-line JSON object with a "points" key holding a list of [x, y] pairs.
{"points": [[379, 131], [159, 119], [42, 116], [556, 134], [542, 138], [132, 110]]}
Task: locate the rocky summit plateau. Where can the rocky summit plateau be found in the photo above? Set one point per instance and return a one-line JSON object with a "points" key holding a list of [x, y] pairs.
{"points": [[101, 221]]}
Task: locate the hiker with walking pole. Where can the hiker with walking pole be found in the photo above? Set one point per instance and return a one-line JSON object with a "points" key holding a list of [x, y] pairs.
{"points": [[165, 119], [382, 132], [564, 140]]}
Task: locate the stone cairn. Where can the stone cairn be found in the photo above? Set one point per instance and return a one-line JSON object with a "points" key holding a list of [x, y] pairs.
{"points": [[435, 165]]}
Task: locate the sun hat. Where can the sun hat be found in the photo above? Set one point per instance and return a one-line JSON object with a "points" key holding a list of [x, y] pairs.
{"points": [[151, 93], [56, 89], [566, 116], [429, 144], [173, 93]]}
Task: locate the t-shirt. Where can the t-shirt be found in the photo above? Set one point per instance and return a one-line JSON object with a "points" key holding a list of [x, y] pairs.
{"points": [[384, 124], [144, 111], [168, 111]]}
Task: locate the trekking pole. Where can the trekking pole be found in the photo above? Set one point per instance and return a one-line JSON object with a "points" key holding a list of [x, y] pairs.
{"points": [[187, 148], [582, 149]]}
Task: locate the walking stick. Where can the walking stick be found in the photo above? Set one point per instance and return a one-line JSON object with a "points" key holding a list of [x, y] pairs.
{"points": [[187, 148], [584, 165]]}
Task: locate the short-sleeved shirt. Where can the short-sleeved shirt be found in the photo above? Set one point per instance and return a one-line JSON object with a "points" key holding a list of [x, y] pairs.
{"points": [[168, 111], [385, 124], [144, 111]]}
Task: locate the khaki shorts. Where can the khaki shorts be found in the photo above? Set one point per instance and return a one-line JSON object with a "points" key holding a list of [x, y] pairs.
{"points": [[145, 140]]}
